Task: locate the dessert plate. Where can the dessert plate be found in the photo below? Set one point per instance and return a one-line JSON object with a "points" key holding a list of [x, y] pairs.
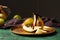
{"points": [[19, 30]]}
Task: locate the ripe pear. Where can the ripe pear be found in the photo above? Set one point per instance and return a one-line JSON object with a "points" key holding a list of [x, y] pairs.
{"points": [[2, 16], [28, 21], [17, 17], [1, 21]]}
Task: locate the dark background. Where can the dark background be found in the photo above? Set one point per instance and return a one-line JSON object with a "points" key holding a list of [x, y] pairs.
{"points": [[48, 8]]}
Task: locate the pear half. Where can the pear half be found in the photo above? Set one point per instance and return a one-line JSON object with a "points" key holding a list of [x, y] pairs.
{"points": [[30, 29]]}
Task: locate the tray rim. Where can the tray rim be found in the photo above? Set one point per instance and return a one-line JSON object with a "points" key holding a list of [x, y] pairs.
{"points": [[33, 33]]}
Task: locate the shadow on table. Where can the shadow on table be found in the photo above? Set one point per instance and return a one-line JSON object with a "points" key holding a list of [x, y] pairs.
{"points": [[52, 34]]}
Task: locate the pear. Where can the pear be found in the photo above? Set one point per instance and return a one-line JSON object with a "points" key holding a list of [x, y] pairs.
{"points": [[17, 17], [36, 21], [2, 16], [40, 22], [28, 21], [27, 25], [1, 21]]}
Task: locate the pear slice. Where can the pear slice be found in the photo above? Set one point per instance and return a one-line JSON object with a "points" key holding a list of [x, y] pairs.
{"points": [[35, 19], [41, 22], [28, 29]]}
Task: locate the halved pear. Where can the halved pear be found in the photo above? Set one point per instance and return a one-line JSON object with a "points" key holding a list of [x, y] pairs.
{"points": [[28, 29]]}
